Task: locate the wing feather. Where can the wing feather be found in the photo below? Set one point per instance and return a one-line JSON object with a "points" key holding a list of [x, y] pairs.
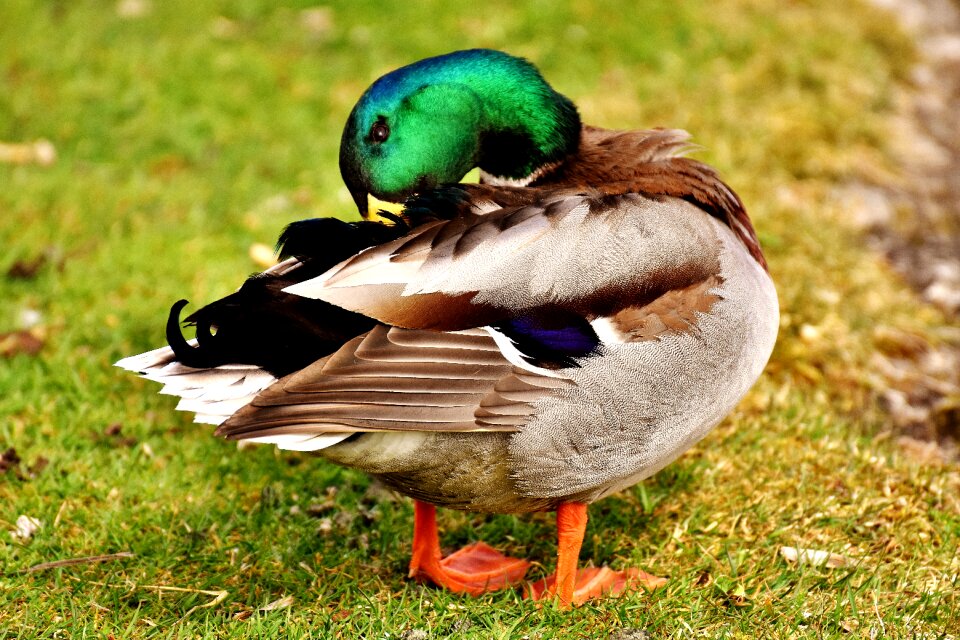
{"points": [[581, 251], [397, 379]]}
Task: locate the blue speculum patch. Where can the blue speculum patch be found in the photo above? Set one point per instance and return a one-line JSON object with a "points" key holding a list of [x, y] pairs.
{"points": [[553, 337]]}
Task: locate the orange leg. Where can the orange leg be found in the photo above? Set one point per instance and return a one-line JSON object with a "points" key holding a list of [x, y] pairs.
{"points": [[570, 586], [475, 569]]}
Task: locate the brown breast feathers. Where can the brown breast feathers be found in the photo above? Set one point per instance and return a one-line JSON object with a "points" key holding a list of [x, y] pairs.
{"points": [[651, 163]]}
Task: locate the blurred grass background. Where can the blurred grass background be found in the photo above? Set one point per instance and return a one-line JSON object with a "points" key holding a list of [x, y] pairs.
{"points": [[186, 131]]}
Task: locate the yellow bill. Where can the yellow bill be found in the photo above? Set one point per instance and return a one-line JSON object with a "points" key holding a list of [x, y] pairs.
{"points": [[375, 205]]}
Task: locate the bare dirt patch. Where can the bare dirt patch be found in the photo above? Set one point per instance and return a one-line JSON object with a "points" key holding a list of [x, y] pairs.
{"points": [[915, 223]]}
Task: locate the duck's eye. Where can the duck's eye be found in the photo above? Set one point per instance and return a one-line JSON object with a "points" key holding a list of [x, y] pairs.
{"points": [[379, 132]]}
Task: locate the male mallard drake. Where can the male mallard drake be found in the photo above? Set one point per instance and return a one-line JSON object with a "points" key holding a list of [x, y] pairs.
{"points": [[536, 342]]}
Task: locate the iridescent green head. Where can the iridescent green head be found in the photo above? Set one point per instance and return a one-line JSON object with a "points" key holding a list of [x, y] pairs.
{"points": [[431, 122]]}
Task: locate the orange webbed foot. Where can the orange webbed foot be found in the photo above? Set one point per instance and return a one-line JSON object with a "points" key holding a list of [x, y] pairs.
{"points": [[475, 569], [571, 586], [594, 582]]}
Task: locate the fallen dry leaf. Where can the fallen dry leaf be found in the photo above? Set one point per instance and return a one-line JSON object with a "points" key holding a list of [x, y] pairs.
{"points": [[814, 557], [317, 510], [809, 333], [29, 318], [114, 435], [317, 21], [26, 269], [923, 451], [37, 467], [325, 526], [26, 527], [132, 9], [41, 152], [223, 27], [9, 460], [897, 343], [262, 255], [281, 603], [28, 341]]}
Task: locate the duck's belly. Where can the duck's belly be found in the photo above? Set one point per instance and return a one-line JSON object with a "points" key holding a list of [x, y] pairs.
{"points": [[634, 409], [466, 471]]}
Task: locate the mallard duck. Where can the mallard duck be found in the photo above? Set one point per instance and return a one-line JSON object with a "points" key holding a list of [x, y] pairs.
{"points": [[552, 335]]}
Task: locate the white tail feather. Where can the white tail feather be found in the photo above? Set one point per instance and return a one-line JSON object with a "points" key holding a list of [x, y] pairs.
{"points": [[216, 394], [297, 442], [214, 406], [206, 418]]}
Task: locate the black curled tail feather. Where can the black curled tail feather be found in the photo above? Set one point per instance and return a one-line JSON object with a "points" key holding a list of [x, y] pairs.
{"points": [[191, 356], [261, 324]]}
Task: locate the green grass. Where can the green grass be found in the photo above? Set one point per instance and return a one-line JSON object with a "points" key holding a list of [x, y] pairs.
{"points": [[189, 133]]}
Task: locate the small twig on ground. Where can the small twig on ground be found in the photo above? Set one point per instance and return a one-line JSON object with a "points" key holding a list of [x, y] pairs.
{"points": [[60, 511], [281, 603], [218, 596], [69, 562]]}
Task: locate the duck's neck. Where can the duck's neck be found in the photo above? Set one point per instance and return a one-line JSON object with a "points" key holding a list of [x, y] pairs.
{"points": [[525, 126], [527, 134]]}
